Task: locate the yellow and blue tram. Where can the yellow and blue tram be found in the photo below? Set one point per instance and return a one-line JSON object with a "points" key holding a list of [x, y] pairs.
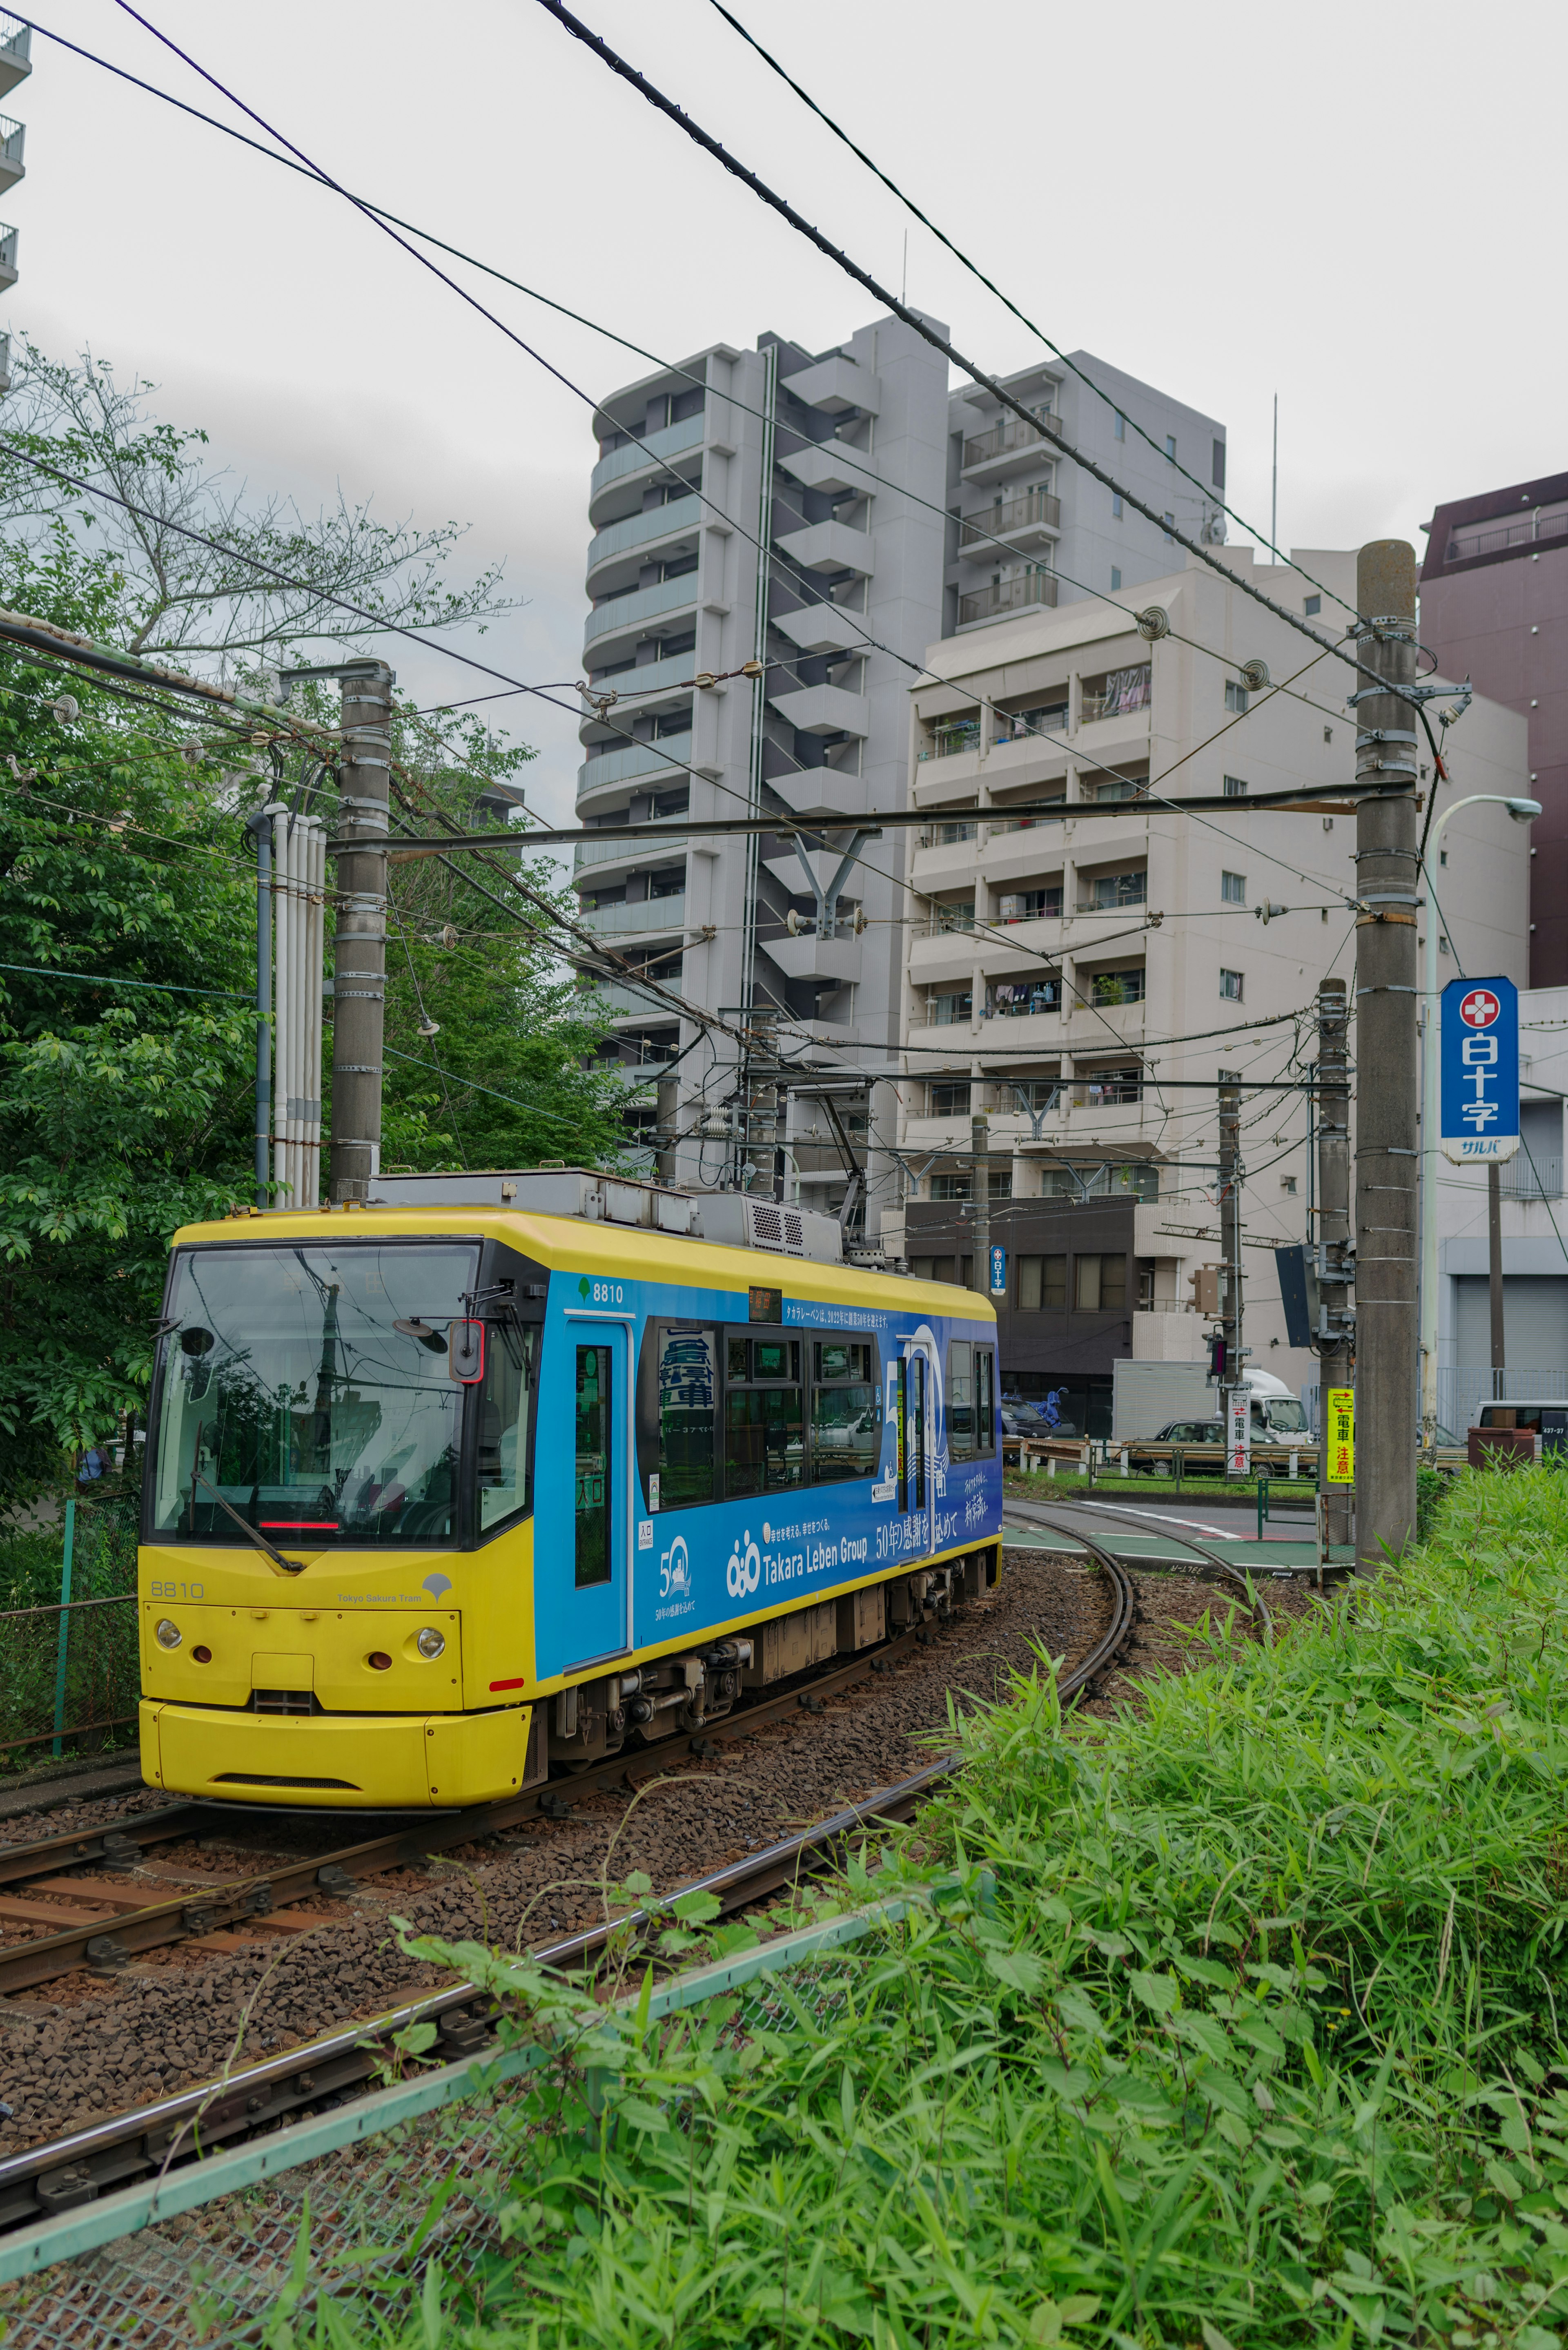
{"points": [[437, 1496]]}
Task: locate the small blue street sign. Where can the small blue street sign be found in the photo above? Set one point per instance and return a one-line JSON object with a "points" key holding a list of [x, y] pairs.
{"points": [[999, 1273], [1479, 1070]]}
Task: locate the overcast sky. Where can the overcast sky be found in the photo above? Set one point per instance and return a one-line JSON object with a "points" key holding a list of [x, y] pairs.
{"points": [[1204, 196]]}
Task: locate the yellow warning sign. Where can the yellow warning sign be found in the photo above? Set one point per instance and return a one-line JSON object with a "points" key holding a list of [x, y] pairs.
{"points": [[1339, 1435]]}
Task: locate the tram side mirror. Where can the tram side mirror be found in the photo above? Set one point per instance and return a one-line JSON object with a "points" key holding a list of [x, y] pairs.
{"points": [[465, 1352]]}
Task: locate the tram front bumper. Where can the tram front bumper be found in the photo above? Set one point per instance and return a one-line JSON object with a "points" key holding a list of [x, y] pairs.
{"points": [[340, 1761]]}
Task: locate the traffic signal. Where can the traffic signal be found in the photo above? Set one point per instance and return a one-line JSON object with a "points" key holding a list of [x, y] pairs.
{"points": [[1217, 1358]]}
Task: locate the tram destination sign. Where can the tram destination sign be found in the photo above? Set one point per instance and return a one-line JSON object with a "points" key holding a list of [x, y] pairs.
{"points": [[1479, 1052]]}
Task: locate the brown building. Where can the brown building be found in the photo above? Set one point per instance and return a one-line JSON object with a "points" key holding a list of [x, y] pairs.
{"points": [[1494, 609], [1073, 1286]]}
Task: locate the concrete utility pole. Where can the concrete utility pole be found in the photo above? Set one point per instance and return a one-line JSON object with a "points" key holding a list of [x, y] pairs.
{"points": [[980, 1144], [1387, 858], [1494, 1271], [1332, 1250], [359, 983], [1232, 1172], [259, 826]]}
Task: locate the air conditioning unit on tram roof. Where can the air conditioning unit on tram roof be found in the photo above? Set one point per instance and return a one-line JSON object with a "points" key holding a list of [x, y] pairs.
{"points": [[732, 1219]]}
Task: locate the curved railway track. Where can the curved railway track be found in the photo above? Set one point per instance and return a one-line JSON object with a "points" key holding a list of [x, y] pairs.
{"points": [[57, 2176]]}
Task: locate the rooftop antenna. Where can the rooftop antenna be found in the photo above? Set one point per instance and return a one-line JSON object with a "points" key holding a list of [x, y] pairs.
{"points": [[904, 282], [1275, 496]]}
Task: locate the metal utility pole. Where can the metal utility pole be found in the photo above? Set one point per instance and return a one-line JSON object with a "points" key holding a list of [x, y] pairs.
{"points": [[1231, 1173], [1494, 1271], [1387, 858], [259, 826], [980, 1143], [1333, 1254], [360, 980]]}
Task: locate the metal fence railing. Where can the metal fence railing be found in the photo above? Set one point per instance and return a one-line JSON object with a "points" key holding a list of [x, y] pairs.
{"points": [[70, 1672]]}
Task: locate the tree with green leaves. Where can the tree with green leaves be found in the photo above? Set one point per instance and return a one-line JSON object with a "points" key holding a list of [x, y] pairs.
{"points": [[128, 922], [180, 599]]}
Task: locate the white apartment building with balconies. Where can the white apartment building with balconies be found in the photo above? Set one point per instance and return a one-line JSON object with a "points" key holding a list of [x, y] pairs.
{"points": [[1083, 976], [1029, 530], [808, 511]]}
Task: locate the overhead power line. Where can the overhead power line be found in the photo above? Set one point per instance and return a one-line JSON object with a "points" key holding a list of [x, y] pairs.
{"points": [[1205, 490], [1341, 801], [912, 318], [846, 454]]}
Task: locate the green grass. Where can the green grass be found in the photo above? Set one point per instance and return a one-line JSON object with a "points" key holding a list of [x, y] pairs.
{"points": [[1235, 2023]]}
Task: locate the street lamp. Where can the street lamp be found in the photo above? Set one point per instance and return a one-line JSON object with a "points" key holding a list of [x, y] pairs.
{"points": [[1523, 811]]}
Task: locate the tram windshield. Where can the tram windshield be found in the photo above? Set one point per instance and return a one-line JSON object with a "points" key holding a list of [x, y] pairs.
{"points": [[311, 1389]]}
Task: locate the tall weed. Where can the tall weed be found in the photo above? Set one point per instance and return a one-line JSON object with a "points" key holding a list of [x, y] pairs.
{"points": [[1235, 2020]]}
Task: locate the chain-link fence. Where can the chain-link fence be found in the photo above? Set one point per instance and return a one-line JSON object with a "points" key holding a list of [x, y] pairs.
{"points": [[356, 2228], [68, 1673]]}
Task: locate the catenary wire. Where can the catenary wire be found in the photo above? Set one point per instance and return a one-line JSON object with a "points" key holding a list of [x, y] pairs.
{"points": [[384, 220], [369, 212], [1205, 491], [912, 318]]}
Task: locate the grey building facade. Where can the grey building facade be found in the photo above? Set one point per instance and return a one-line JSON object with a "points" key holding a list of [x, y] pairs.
{"points": [[823, 516], [1028, 529], [753, 506]]}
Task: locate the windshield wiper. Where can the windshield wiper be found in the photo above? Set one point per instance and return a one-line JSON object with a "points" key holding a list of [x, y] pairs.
{"points": [[289, 1565]]}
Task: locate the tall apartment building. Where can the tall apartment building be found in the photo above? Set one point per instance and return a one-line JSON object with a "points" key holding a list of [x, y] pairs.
{"points": [[1083, 977], [1494, 608], [1031, 530], [801, 510], [15, 64], [762, 513]]}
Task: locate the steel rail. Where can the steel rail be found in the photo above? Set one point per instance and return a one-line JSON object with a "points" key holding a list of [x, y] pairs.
{"points": [[57, 2174], [1109, 1510], [107, 1943]]}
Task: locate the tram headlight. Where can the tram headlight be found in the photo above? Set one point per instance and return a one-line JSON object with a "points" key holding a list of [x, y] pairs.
{"points": [[430, 1642], [166, 1634]]}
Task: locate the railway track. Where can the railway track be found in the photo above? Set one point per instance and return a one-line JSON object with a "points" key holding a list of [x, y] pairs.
{"points": [[58, 2175], [116, 1922]]}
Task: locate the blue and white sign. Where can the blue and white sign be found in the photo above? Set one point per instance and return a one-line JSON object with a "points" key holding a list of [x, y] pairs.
{"points": [[999, 1273], [1479, 1053]]}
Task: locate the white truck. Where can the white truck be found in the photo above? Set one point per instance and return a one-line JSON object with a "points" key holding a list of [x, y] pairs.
{"points": [[1150, 1397]]}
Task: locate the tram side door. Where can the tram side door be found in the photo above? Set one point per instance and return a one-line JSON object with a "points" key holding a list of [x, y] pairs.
{"points": [[916, 1377], [596, 1581]]}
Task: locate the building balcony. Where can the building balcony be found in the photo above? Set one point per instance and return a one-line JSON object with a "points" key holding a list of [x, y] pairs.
{"points": [[829, 547], [8, 269], [635, 684], [825, 709], [1034, 519], [835, 794], [16, 53], [12, 139], [1008, 447], [945, 959], [822, 629], [646, 918], [641, 531], [627, 612], [618, 1001], [944, 865], [1032, 591], [598, 856], [622, 464], [836, 385], [833, 466], [623, 765], [837, 959]]}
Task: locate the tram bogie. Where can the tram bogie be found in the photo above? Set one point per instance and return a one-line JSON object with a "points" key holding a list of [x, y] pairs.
{"points": [[439, 1497]]}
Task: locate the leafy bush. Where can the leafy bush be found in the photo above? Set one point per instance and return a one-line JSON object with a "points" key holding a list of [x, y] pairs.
{"points": [[1235, 2020]]}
